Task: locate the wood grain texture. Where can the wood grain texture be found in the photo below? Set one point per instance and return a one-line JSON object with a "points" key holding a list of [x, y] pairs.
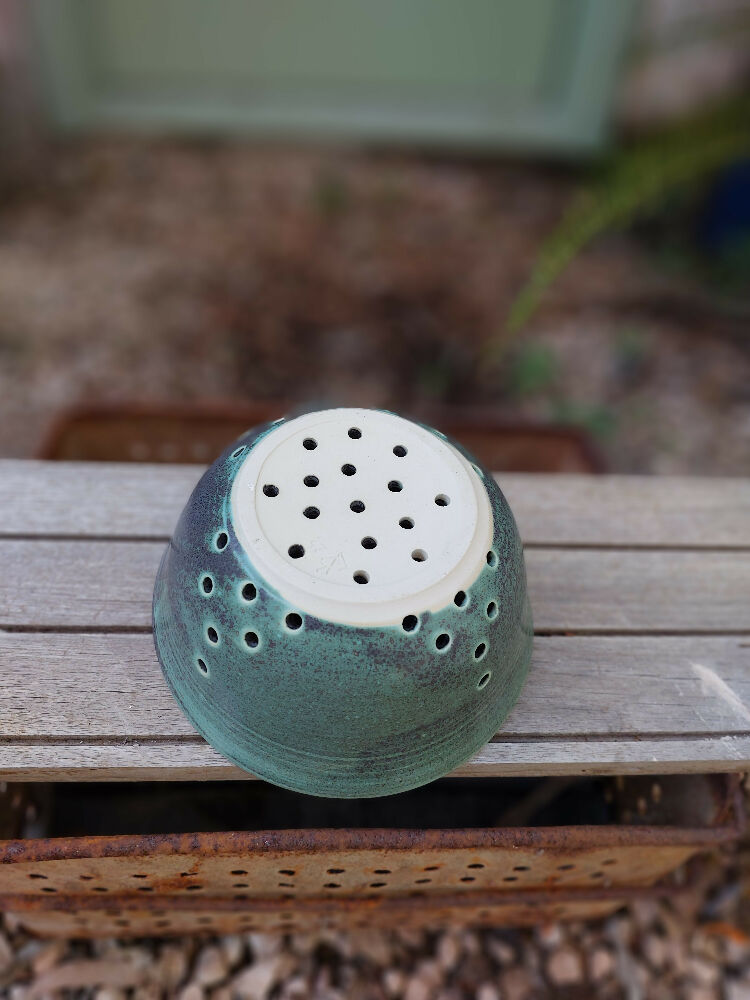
{"points": [[197, 761], [101, 584], [578, 686], [640, 589], [132, 500]]}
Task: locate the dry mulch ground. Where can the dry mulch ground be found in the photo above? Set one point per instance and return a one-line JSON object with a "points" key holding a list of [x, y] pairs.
{"points": [[177, 271], [166, 271], [650, 951]]}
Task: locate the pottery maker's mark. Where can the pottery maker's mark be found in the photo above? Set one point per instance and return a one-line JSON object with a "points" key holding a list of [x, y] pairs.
{"points": [[337, 562]]}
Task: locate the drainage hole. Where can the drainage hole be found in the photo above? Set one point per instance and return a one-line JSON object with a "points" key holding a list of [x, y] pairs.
{"points": [[476, 864], [348, 469], [368, 542], [510, 878], [293, 621], [467, 878], [491, 558], [238, 871], [311, 512], [296, 551], [460, 599], [238, 451], [480, 651], [354, 433], [208, 584], [249, 593], [282, 871], [442, 641], [419, 555], [335, 871], [221, 540], [311, 481], [395, 486], [521, 868], [212, 635], [361, 576], [202, 666], [310, 444], [251, 639], [332, 885], [357, 506], [270, 490], [442, 500], [382, 871], [492, 610], [377, 885], [399, 451], [409, 623], [422, 881], [484, 680], [407, 522]]}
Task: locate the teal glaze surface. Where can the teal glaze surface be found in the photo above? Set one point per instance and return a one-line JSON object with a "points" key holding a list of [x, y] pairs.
{"points": [[331, 709]]}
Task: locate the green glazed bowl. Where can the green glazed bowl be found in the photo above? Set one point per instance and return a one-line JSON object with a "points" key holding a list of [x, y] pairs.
{"points": [[342, 609]]}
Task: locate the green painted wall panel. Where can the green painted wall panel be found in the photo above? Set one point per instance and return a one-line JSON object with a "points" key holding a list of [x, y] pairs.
{"points": [[528, 75]]}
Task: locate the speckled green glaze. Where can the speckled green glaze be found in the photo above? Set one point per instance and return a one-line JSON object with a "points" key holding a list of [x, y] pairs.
{"points": [[331, 709]]}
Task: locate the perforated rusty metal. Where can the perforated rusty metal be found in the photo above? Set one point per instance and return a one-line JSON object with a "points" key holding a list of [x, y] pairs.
{"points": [[131, 922], [296, 880]]}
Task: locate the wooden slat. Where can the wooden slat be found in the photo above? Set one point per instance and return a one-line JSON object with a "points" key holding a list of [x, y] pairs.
{"points": [[110, 685], [197, 761], [650, 578], [131, 500], [95, 584]]}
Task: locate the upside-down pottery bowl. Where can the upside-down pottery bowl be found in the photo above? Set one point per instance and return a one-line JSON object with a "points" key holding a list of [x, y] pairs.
{"points": [[342, 609]]}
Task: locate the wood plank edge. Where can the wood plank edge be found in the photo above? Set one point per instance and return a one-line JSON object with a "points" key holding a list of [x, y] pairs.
{"points": [[170, 761]]}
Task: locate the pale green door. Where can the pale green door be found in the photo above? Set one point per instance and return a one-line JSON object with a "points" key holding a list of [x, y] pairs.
{"points": [[523, 74]]}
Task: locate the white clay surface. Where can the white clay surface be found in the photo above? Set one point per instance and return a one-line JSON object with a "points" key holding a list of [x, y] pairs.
{"points": [[450, 540]]}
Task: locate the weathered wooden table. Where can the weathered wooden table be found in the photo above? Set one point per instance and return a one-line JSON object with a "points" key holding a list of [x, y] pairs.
{"points": [[640, 589]]}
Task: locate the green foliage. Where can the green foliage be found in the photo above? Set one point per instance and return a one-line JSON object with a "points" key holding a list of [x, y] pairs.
{"points": [[638, 179], [331, 195], [534, 367], [599, 421]]}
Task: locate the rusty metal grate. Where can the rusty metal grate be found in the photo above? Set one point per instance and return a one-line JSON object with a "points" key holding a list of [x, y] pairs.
{"points": [[299, 879]]}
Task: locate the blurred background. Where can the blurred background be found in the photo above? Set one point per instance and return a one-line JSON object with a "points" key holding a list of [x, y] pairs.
{"points": [[529, 223]]}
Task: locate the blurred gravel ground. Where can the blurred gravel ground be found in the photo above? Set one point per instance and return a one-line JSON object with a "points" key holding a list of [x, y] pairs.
{"points": [[695, 946], [158, 270], [151, 270], [650, 950]]}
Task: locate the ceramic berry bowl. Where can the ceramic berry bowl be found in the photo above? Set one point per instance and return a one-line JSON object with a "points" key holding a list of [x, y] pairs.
{"points": [[342, 609]]}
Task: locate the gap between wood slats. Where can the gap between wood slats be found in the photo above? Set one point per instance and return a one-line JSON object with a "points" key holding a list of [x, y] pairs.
{"points": [[131, 500], [528, 546], [89, 687], [96, 585]]}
